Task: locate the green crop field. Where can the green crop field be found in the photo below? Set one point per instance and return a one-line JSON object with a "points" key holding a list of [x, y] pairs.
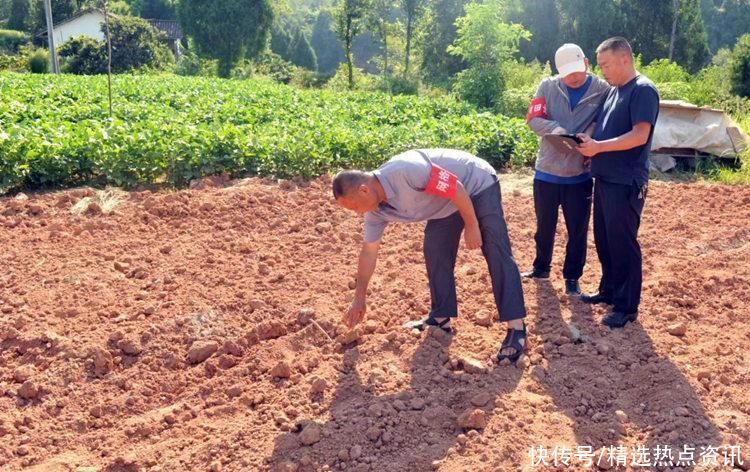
{"points": [[56, 130]]}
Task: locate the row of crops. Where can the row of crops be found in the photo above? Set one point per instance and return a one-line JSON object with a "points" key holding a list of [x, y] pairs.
{"points": [[56, 130]]}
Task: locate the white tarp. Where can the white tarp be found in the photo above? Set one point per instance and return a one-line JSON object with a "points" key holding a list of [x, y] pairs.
{"points": [[684, 125]]}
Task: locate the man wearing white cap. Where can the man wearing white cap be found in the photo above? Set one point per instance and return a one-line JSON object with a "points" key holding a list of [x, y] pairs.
{"points": [[564, 104]]}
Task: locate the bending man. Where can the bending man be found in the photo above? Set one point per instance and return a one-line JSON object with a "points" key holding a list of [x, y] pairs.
{"points": [[453, 191]]}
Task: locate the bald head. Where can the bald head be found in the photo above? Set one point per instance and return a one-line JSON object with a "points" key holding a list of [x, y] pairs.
{"points": [[348, 181], [357, 191]]}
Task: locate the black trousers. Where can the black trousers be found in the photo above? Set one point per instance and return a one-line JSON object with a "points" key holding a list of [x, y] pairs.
{"points": [[575, 200], [617, 217], [441, 240]]}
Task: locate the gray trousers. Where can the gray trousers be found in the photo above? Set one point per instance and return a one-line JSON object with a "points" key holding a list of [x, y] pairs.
{"points": [[441, 240]]}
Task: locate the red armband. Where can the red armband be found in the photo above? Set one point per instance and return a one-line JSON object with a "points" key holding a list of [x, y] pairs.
{"points": [[442, 183], [537, 109]]}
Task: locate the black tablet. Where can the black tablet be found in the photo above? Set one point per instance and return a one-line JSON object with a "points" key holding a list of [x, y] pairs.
{"points": [[563, 142]]}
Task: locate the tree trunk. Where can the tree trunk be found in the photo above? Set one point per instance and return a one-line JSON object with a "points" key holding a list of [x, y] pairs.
{"points": [[409, 20], [385, 50], [676, 15], [349, 52]]}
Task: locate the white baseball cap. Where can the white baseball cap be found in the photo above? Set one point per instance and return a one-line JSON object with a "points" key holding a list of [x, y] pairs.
{"points": [[569, 58]]}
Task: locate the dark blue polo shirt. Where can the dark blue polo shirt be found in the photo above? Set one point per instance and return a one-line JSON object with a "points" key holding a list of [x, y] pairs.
{"points": [[635, 102]]}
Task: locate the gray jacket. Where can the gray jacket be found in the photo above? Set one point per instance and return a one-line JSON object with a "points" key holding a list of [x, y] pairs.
{"points": [[559, 114]]}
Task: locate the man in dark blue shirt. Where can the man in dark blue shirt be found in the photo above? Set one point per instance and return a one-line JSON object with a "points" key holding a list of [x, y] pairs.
{"points": [[619, 148]]}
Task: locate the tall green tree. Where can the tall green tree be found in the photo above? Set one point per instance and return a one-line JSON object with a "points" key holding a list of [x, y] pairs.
{"points": [[379, 22], [21, 13], [689, 41], [281, 41], [413, 9], [302, 53], [159, 9], [349, 16], [115, 7], [135, 45], [5, 8], [740, 67], [227, 30], [485, 40], [439, 66], [648, 24], [725, 21], [588, 23], [327, 46], [542, 19]]}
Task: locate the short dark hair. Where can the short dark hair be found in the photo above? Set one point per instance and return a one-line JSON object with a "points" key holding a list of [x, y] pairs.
{"points": [[347, 181], [616, 44]]}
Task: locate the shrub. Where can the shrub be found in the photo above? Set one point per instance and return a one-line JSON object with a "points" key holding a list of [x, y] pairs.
{"points": [[83, 55], [273, 66], [190, 64], [662, 70], [309, 79], [397, 85], [740, 67], [480, 85], [135, 45], [14, 63], [340, 80], [39, 62], [11, 41]]}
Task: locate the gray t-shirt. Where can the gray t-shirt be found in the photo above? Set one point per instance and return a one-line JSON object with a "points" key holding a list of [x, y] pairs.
{"points": [[404, 178]]}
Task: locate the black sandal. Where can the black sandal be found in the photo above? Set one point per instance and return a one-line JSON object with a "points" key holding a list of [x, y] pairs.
{"points": [[513, 340], [423, 324]]}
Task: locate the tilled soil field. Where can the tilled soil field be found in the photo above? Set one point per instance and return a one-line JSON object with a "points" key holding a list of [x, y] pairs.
{"points": [[199, 330]]}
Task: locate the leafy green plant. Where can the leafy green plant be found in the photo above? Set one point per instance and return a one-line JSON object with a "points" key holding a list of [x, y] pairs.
{"points": [[39, 62], [11, 40], [740, 67], [14, 63], [55, 130]]}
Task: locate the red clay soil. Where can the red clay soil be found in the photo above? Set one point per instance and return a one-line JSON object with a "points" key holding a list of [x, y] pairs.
{"points": [[188, 331]]}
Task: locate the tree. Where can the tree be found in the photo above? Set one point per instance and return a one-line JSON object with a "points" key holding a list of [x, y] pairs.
{"points": [[588, 23], [413, 10], [365, 48], [485, 41], [5, 6], [349, 17], [227, 30], [542, 19], [115, 7], [740, 67], [647, 24], [438, 66], [327, 47], [378, 21], [158, 9], [688, 41], [302, 53], [135, 45], [281, 41], [61, 10], [725, 21], [83, 55], [21, 12]]}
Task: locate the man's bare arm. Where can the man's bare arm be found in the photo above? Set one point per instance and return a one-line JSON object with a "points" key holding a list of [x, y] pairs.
{"points": [[472, 235], [638, 136], [368, 256]]}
